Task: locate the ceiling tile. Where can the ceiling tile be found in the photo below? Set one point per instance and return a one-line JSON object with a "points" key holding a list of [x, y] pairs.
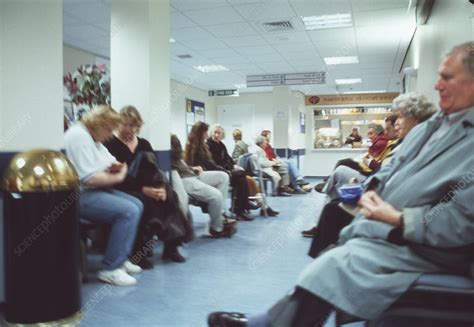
{"points": [[273, 57], [178, 20], [388, 17], [245, 41], [367, 5], [269, 10], [260, 50], [320, 7], [276, 67], [191, 33], [231, 30], [205, 44], [219, 53], [220, 15], [287, 38], [232, 60], [97, 13], [331, 34], [196, 5]]}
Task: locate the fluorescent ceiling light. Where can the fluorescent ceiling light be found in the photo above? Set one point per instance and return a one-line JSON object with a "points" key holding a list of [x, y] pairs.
{"points": [[240, 86], [211, 68], [172, 40], [327, 21], [361, 92], [341, 60], [348, 81]]}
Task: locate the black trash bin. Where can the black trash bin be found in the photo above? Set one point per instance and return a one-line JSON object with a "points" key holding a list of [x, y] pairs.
{"points": [[41, 193]]}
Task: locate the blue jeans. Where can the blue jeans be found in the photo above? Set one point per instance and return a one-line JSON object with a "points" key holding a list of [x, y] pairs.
{"points": [[122, 212], [293, 171]]}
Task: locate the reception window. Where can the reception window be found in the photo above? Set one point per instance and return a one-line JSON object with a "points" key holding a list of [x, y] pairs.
{"points": [[333, 126]]}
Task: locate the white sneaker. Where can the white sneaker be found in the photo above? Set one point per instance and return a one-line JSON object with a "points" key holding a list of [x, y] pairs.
{"points": [[131, 268], [116, 277]]}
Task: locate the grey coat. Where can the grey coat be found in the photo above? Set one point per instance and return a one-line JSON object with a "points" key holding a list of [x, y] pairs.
{"points": [[366, 273]]}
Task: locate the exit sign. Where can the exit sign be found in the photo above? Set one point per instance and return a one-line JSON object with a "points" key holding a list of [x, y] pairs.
{"points": [[224, 93]]}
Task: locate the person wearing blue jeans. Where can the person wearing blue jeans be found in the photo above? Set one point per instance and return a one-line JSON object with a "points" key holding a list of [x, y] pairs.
{"points": [[296, 179], [98, 171], [119, 210]]}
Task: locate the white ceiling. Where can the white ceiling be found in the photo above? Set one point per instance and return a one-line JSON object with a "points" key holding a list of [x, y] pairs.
{"points": [[230, 33]]}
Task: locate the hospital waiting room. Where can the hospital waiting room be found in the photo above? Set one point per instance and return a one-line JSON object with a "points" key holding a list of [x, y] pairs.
{"points": [[237, 163]]}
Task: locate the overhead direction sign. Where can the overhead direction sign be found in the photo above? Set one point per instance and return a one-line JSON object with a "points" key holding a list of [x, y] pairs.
{"points": [[223, 93], [286, 79]]}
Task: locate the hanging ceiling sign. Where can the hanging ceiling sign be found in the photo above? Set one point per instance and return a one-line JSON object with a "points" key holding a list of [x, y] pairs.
{"points": [[223, 93], [286, 79]]}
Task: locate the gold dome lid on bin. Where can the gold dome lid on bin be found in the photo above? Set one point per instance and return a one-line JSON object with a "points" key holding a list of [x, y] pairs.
{"points": [[40, 171]]}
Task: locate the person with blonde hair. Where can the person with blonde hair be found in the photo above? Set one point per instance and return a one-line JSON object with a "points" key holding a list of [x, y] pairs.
{"points": [[162, 216], [98, 172]]}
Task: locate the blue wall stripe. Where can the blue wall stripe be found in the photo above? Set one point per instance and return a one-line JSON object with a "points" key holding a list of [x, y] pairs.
{"points": [[163, 157], [5, 158]]}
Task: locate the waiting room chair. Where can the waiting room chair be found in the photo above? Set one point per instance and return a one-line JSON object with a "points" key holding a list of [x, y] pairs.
{"points": [[433, 300]]}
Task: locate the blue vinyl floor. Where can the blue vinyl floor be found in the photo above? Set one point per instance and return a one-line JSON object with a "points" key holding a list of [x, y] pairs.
{"points": [[247, 273]]}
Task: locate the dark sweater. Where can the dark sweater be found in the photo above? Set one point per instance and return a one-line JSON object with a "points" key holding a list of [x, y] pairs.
{"points": [[123, 154], [220, 155]]}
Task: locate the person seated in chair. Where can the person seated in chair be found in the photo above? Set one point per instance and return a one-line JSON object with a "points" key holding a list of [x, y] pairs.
{"points": [[98, 172], [162, 216], [202, 150], [418, 219], [412, 109], [210, 187], [273, 168], [297, 183]]}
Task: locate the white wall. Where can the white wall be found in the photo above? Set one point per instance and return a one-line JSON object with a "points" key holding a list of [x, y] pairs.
{"points": [[73, 58], [263, 111], [450, 23], [31, 103], [179, 93]]}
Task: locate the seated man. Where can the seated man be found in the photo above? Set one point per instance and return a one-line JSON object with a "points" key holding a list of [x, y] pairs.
{"points": [[418, 219]]}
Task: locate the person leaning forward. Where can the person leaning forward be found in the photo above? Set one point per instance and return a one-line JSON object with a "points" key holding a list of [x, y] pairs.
{"points": [[418, 219]]}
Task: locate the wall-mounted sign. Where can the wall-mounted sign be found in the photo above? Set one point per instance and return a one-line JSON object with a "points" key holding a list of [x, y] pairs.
{"points": [[195, 111], [335, 99], [286, 79], [223, 93]]}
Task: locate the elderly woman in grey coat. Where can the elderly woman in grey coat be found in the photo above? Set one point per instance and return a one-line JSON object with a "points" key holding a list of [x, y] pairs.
{"points": [[418, 218], [411, 109]]}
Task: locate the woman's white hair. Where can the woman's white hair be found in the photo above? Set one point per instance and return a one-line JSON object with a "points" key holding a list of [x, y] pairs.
{"points": [[213, 128], [413, 105]]}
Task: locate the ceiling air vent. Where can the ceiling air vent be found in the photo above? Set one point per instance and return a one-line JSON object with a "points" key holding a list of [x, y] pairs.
{"points": [[184, 56], [278, 26]]}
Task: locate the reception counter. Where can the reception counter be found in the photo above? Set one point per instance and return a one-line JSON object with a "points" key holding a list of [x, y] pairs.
{"points": [[321, 162]]}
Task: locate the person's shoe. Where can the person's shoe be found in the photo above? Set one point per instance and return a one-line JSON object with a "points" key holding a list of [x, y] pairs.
{"points": [[226, 319], [244, 217], [174, 256], [145, 263], [116, 277], [281, 193], [253, 206], [319, 187], [216, 234], [229, 221], [310, 232], [299, 191], [131, 268], [270, 212], [307, 188], [301, 182]]}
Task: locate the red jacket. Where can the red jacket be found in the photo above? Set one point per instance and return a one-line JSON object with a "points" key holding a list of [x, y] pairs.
{"points": [[378, 146]]}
